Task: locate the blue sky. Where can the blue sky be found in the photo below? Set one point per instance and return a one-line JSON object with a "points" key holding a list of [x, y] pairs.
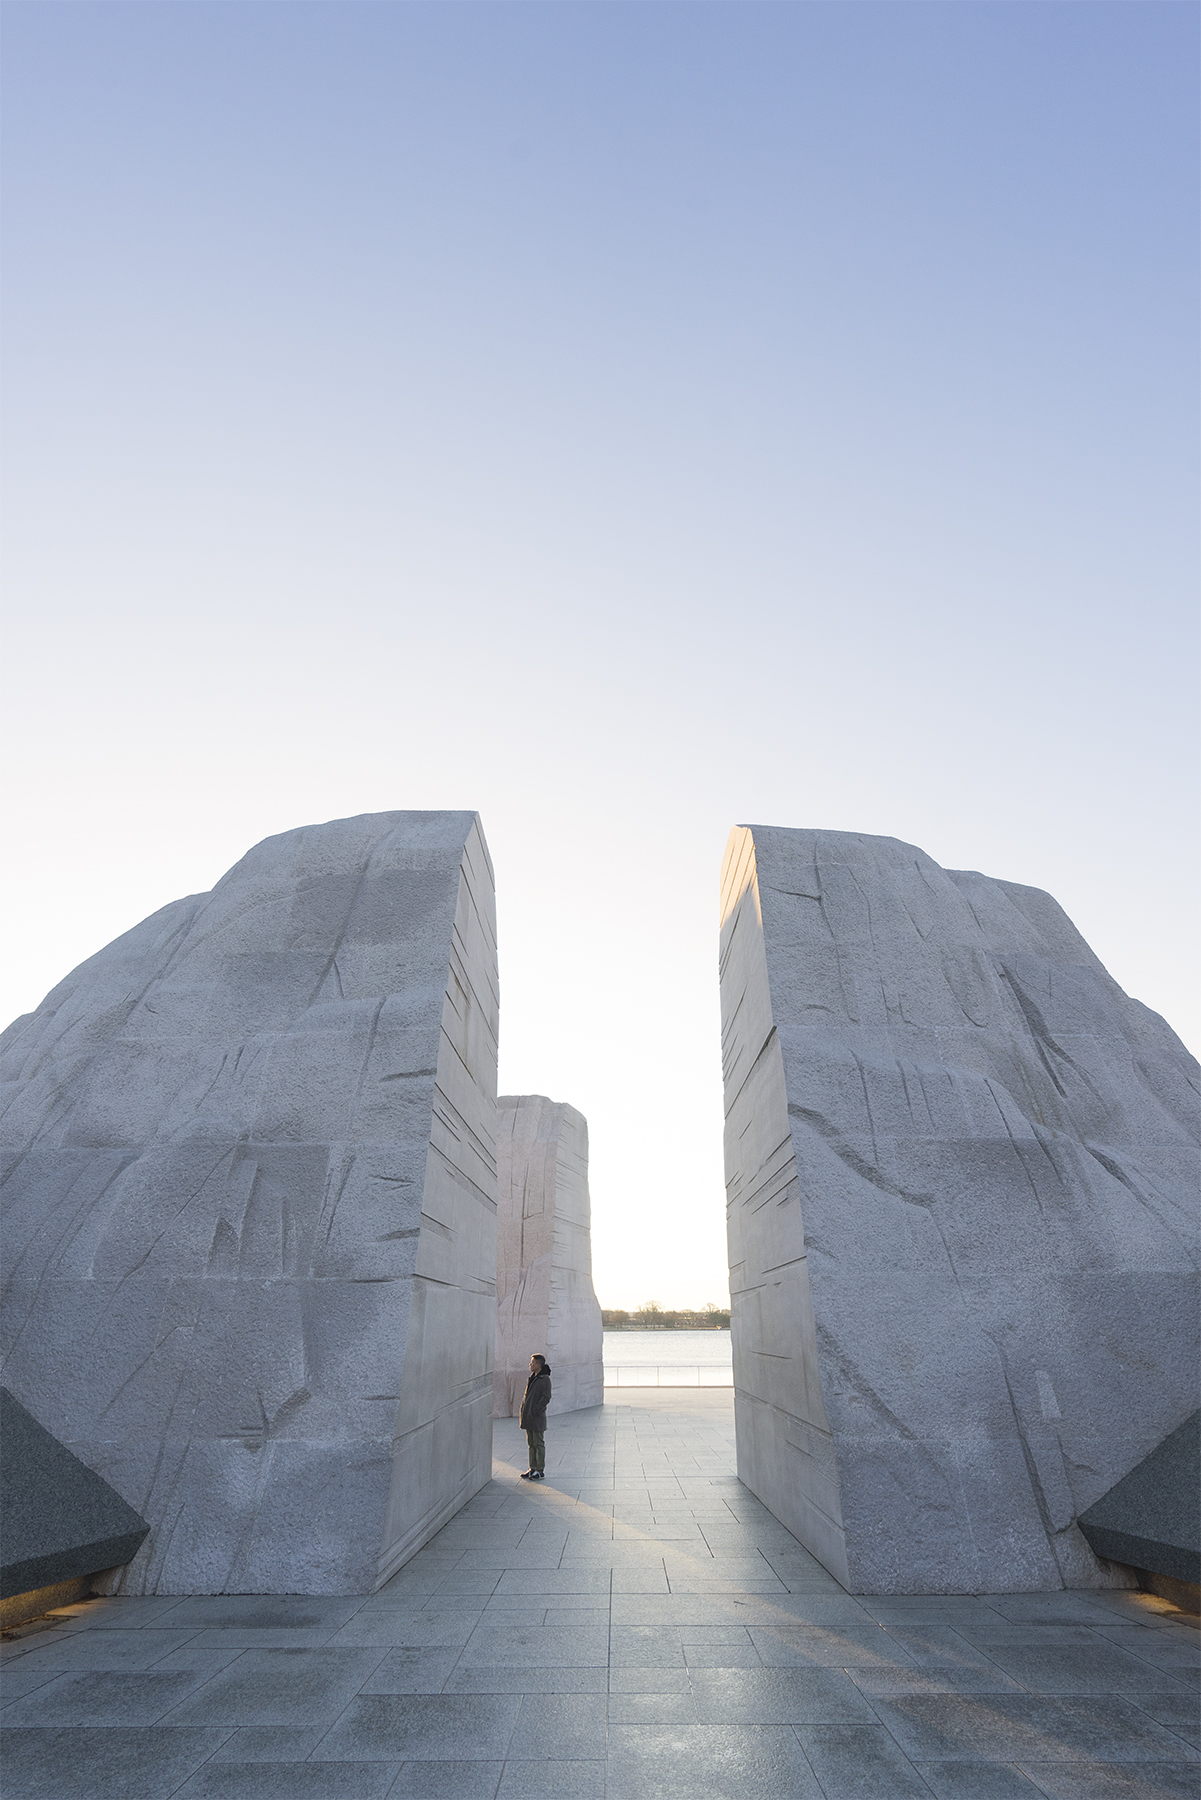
{"points": [[627, 420]]}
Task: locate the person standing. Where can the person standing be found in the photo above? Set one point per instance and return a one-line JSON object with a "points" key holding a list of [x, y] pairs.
{"points": [[533, 1416]]}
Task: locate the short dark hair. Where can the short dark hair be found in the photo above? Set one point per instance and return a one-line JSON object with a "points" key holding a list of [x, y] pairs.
{"points": [[538, 1357]]}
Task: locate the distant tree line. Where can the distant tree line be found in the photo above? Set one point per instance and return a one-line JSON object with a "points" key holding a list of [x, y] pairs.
{"points": [[653, 1317]]}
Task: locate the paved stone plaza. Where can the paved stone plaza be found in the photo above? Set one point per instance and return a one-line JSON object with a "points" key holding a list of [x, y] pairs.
{"points": [[636, 1627]]}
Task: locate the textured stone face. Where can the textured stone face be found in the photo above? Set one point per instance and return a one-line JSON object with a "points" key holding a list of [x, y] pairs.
{"points": [[1152, 1518], [962, 1176], [250, 1209], [58, 1520], [544, 1297]]}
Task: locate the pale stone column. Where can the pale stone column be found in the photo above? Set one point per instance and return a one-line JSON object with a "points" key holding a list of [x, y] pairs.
{"points": [[545, 1299], [961, 1172], [250, 1220]]}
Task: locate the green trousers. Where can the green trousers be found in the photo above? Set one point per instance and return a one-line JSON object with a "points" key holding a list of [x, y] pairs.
{"points": [[537, 1444]]}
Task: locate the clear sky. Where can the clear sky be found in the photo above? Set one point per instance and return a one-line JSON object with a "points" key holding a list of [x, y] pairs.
{"points": [[625, 420]]}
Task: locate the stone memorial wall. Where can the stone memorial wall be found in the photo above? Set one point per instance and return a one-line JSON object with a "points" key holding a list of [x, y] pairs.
{"points": [[545, 1299], [250, 1209], [962, 1178]]}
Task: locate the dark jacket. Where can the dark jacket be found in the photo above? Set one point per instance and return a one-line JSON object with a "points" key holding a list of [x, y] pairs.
{"points": [[534, 1401]]}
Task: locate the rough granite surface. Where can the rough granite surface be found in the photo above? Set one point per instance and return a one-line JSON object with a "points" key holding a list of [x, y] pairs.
{"points": [[58, 1520], [250, 1209], [1152, 1518], [962, 1191], [544, 1294]]}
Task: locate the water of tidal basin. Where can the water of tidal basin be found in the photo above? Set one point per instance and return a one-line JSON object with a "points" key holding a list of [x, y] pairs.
{"points": [[668, 1359]]}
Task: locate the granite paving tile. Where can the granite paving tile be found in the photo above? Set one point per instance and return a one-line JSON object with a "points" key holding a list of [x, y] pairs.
{"points": [[714, 1635], [934, 1678], [978, 1781], [644, 1646], [475, 1583], [719, 1584], [1024, 1728], [566, 1726], [1093, 1780], [407, 1631], [242, 1637], [655, 1678], [1096, 1668], [966, 1619], [931, 1642], [934, 1604], [278, 1687], [782, 1646], [545, 1646], [554, 1581], [411, 1595], [411, 1672], [103, 1697], [1068, 1607], [113, 1649], [803, 1581], [1180, 1712], [539, 1556], [1132, 1603], [206, 1659], [697, 1609], [654, 1709], [102, 1762], [439, 1605], [1163, 1650], [985, 1636], [514, 1617], [779, 1697], [555, 1779], [524, 1678], [423, 1728], [122, 1612], [1142, 1635], [447, 1781], [860, 1762], [652, 1533], [827, 1610], [722, 1574], [708, 1762], [542, 1604], [20, 1678], [290, 1781], [23, 1639], [271, 1743], [734, 1546], [497, 1539], [583, 1550], [722, 1656], [573, 1617], [263, 1612]]}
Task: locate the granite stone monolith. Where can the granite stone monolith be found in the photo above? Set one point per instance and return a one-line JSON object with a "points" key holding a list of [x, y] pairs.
{"points": [[250, 1209], [59, 1522], [545, 1301], [962, 1177]]}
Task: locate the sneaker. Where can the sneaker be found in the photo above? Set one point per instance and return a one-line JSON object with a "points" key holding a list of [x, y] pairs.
{"points": [[528, 1475]]}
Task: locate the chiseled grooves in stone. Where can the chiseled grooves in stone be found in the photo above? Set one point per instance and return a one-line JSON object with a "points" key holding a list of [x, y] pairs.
{"points": [[961, 1175], [250, 1209], [544, 1294]]}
